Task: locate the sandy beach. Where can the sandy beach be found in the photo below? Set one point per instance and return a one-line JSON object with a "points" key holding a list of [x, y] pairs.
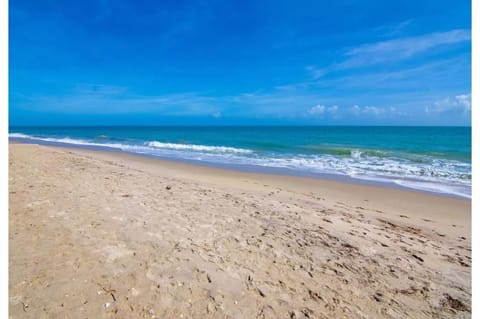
{"points": [[111, 235]]}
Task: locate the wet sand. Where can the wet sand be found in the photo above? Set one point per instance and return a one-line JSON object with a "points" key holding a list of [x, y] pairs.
{"points": [[111, 235]]}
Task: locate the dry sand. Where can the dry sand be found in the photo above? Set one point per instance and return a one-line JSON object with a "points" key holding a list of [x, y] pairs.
{"points": [[111, 235]]}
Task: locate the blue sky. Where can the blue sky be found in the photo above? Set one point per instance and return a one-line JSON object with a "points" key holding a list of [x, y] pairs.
{"points": [[240, 62]]}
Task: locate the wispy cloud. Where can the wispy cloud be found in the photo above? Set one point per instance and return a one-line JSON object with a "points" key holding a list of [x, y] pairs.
{"points": [[93, 89], [400, 49], [404, 85], [391, 53], [106, 99], [395, 29], [316, 72]]}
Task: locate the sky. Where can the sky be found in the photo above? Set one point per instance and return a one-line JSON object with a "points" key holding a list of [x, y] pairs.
{"points": [[239, 62]]}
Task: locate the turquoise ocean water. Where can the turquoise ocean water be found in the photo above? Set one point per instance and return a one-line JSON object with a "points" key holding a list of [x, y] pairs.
{"points": [[432, 159]]}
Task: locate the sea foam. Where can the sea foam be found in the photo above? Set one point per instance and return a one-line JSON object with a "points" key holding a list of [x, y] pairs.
{"points": [[199, 148]]}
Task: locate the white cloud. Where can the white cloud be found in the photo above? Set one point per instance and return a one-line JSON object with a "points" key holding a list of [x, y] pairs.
{"points": [[460, 103], [465, 100], [356, 110], [333, 109], [373, 111], [322, 109], [399, 49], [317, 110]]}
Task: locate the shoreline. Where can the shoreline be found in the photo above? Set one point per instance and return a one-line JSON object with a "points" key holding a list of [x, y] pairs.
{"points": [[143, 237], [247, 168], [361, 194]]}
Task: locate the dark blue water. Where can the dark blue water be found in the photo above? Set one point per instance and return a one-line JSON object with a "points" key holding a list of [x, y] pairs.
{"points": [[436, 159]]}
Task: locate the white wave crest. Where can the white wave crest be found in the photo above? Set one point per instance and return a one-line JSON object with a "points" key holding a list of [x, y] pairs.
{"points": [[71, 141], [356, 154], [19, 135], [200, 148]]}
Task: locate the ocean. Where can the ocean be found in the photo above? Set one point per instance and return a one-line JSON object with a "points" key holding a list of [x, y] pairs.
{"points": [[430, 159]]}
